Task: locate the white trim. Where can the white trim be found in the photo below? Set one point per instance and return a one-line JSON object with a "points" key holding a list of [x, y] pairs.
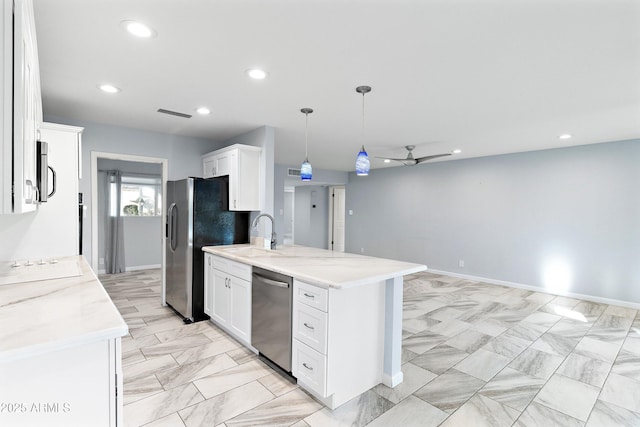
{"points": [[59, 127], [94, 202], [592, 298], [143, 267]]}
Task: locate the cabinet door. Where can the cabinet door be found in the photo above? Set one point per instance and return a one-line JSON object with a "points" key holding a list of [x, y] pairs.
{"points": [[223, 163], [244, 181], [27, 108], [209, 167], [208, 284], [220, 302], [240, 302]]}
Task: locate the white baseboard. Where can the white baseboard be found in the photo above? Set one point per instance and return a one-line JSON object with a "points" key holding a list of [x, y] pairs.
{"points": [[134, 268], [592, 298], [142, 267]]}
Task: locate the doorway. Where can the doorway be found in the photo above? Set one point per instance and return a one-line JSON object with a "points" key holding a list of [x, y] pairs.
{"points": [[98, 192], [337, 196]]}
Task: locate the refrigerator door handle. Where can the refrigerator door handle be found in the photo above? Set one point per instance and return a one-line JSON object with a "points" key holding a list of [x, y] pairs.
{"points": [[172, 227]]}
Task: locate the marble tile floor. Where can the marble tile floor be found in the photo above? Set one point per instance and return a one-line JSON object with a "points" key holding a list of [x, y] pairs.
{"points": [[474, 354]]}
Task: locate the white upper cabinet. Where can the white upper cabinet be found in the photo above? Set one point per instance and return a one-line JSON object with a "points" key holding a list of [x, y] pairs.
{"points": [[242, 164], [21, 108]]}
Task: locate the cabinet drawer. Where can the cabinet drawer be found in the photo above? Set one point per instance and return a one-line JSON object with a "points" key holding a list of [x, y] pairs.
{"points": [[310, 368], [238, 269], [310, 327], [311, 295]]}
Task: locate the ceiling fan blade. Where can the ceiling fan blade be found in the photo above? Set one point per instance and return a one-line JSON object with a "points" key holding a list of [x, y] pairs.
{"points": [[406, 162], [435, 156]]}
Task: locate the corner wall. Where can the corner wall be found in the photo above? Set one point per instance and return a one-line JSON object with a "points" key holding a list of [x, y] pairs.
{"points": [[566, 220]]}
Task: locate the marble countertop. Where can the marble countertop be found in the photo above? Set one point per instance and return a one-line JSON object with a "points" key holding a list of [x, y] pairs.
{"points": [[47, 315], [321, 267]]}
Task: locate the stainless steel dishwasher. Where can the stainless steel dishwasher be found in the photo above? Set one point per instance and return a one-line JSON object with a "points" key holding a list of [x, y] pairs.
{"points": [[271, 301]]}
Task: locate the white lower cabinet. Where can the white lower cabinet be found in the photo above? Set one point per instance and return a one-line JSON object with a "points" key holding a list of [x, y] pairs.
{"points": [[227, 295], [338, 340], [76, 386]]}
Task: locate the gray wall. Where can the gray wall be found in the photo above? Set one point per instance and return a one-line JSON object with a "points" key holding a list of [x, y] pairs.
{"points": [[311, 216], [142, 235], [565, 220], [183, 154]]}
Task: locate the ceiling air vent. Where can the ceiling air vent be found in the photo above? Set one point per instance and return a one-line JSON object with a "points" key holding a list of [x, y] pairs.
{"points": [[174, 113], [293, 172]]}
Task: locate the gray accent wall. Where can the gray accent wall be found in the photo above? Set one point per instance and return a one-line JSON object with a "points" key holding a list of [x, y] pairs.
{"points": [[311, 218], [565, 220]]}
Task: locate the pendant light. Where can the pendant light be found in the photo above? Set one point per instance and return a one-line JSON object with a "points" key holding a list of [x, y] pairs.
{"points": [[305, 170], [362, 161]]}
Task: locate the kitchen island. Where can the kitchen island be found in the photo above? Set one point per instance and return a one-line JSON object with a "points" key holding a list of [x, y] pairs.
{"points": [[347, 316], [60, 357]]}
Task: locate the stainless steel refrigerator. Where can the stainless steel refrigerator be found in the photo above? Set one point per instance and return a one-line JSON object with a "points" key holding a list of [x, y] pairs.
{"points": [[197, 215]]}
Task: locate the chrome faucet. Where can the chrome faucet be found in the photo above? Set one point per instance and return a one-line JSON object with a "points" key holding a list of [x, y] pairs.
{"points": [[254, 224]]}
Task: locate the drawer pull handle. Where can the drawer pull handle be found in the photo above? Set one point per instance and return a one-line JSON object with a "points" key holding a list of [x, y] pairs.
{"points": [[308, 327], [308, 367], [309, 296]]}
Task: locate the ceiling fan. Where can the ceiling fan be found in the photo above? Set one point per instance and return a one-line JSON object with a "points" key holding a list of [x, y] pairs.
{"points": [[410, 161]]}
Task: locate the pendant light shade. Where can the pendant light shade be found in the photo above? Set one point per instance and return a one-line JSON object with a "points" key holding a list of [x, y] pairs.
{"points": [[362, 160], [306, 171]]}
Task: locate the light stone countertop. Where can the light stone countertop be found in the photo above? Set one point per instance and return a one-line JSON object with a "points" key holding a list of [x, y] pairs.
{"points": [[320, 267], [40, 316]]}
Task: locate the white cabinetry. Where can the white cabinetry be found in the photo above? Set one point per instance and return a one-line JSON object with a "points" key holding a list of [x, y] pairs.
{"points": [[242, 164], [227, 295], [338, 340], [77, 386], [21, 109]]}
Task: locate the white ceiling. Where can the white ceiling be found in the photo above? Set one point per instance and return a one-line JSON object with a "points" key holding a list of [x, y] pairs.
{"points": [[484, 76]]}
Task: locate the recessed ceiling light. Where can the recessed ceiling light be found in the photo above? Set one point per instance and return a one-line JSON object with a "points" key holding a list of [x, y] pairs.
{"points": [[387, 161], [457, 151], [108, 88], [565, 136], [138, 29], [257, 74], [203, 110]]}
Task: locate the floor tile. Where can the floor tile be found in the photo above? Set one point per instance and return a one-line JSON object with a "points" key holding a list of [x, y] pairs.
{"points": [[627, 365], [527, 331], [140, 388], [555, 344], [178, 344], [357, 412], [483, 364], [172, 420], [133, 356], [160, 405], [597, 349], [148, 367], [439, 359], [632, 343], [584, 369], [226, 380], [482, 411], [189, 372], [450, 327], [469, 340], [282, 411], [621, 391], [542, 318], [415, 377], [537, 415], [205, 351], [423, 341], [489, 327], [621, 311], [411, 412], [568, 396], [184, 331], [225, 406], [513, 388], [507, 345], [608, 414], [278, 384], [450, 390], [536, 363], [570, 328]]}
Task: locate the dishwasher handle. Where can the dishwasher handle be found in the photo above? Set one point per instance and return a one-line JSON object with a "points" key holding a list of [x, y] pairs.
{"points": [[271, 281]]}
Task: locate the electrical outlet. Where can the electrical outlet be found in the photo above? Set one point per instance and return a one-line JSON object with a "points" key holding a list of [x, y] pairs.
{"points": [[461, 263], [101, 260]]}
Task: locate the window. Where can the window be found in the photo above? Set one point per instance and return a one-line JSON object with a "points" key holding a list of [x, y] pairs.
{"points": [[140, 195]]}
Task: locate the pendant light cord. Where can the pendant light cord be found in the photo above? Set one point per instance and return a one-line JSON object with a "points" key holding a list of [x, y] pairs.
{"points": [[362, 132], [306, 137]]}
